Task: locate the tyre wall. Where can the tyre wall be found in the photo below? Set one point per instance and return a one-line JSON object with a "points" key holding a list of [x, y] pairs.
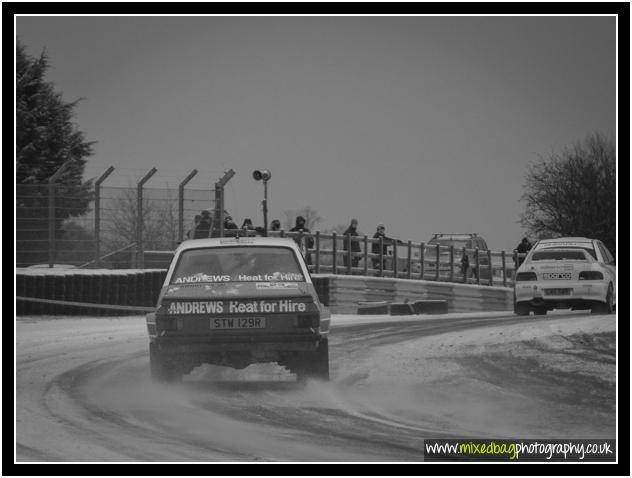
{"points": [[133, 287]]}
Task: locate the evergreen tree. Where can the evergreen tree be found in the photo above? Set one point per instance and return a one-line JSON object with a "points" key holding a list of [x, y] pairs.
{"points": [[46, 138]]}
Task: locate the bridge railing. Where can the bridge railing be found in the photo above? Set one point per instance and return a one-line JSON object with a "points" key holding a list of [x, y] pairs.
{"points": [[363, 255]]}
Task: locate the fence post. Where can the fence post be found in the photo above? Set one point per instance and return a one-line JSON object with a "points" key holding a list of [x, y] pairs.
{"points": [[349, 254], [140, 260], [381, 256], [395, 259], [97, 215], [334, 252], [219, 201], [366, 255], [491, 268], [478, 266], [422, 252], [409, 265], [502, 256], [438, 258], [317, 252], [451, 263], [51, 211], [181, 204]]}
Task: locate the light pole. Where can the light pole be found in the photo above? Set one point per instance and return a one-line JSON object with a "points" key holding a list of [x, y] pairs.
{"points": [[263, 175]]}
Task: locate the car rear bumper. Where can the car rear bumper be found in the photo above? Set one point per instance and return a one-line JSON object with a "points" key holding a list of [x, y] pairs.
{"points": [[551, 291], [197, 345]]}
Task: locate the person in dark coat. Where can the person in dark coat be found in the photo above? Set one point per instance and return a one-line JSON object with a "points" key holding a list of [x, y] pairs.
{"points": [[351, 232], [203, 228], [523, 248], [275, 225], [375, 247], [308, 242], [229, 223]]}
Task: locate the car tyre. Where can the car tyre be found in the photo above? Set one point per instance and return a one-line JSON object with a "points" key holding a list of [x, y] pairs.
{"points": [[161, 369], [540, 311], [315, 364], [606, 307], [521, 309]]}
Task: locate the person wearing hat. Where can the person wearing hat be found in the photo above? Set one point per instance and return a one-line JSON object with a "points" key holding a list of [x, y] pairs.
{"points": [[351, 232], [275, 225], [309, 241], [203, 228], [229, 223], [375, 247]]}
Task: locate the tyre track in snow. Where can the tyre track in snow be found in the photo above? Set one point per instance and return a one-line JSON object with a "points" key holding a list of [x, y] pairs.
{"points": [[82, 397]]}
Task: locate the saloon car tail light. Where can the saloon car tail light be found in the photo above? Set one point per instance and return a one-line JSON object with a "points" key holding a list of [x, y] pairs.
{"points": [[308, 321], [590, 275], [166, 322], [526, 276]]}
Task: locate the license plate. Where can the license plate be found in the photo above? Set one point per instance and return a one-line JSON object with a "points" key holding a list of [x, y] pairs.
{"points": [[238, 323], [558, 291]]}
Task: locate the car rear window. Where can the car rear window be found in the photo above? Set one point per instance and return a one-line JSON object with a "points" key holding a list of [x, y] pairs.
{"points": [[567, 255], [237, 264], [577, 245], [458, 244]]}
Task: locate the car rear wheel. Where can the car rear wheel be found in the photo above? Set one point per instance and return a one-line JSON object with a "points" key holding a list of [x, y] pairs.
{"points": [[539, 311], [606, 307], [162, 369], [521, 309], [315, 364]]}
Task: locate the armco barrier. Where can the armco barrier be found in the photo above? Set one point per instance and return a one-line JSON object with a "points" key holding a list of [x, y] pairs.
{"points": [[136, 288], [342, 293]]}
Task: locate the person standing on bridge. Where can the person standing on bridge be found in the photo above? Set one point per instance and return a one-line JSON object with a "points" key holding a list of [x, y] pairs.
{"points": [[375, 246], [307, 242], [350, 236], [203, 228]]}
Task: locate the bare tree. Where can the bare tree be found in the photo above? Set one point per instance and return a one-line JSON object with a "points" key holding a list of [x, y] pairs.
{"points": [[573, 193]]}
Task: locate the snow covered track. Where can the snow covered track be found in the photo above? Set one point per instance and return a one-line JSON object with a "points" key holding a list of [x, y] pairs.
{"points": [[84, 393]]}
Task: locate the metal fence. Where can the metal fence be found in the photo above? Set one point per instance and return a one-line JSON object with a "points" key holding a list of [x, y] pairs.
{"points": [[101, 226], [136, 227]]}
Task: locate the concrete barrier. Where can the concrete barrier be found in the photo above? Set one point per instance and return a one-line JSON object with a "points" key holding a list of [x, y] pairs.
{"points": [[342, 293]]}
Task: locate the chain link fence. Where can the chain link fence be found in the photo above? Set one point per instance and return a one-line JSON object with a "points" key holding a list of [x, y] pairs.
{"points": [[101, 227]]}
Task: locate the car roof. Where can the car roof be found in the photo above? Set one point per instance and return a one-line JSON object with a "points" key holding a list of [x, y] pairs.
{"points": [[456, 236], [567, 239], [238, 241]]}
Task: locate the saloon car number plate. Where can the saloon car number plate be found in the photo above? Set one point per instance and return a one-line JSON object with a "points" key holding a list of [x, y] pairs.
{"points": [[238, 323], [558, 291]]}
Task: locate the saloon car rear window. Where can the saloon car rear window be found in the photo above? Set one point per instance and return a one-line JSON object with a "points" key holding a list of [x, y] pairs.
{"points": [[568, 255], [237, 264]]}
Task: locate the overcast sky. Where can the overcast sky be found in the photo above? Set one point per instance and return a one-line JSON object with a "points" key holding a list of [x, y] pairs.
{"points": [[424, 123]]}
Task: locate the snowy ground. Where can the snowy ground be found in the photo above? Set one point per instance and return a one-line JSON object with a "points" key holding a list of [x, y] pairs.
{"points": [[83, 392]]}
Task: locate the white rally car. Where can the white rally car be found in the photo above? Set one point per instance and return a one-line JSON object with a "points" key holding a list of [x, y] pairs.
{"points": [[567, 272], [238, 301]]}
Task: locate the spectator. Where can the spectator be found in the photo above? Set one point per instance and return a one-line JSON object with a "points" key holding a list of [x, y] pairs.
{"points": [[350, 234], [523, 248], [203, 228], [465, 265], [247, 225], [307, 243], [196, 221], [275, 225], [375, 247], [229, 223]]}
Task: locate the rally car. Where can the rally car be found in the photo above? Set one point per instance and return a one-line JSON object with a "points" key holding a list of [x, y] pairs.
{"points": [[568, 272], [237, 301]]}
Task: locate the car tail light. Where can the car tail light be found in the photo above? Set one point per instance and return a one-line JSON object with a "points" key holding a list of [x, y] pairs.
{"points": [[590, 275], [167, 322], [526, 276], [308, 321]]}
